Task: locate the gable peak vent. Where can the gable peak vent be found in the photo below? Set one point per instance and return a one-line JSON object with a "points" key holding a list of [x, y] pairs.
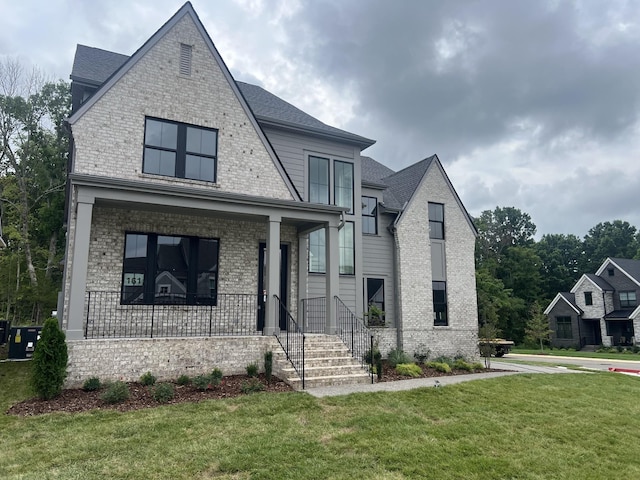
{"points": [[185, 59]]}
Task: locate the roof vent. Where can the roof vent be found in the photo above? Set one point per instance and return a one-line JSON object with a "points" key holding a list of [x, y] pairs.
{"points": [[185, 59]]}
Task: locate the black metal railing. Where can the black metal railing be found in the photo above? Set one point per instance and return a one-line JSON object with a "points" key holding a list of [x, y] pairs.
{"points": [[355, 334], [224, 314], [292, 340], [313, 313]]}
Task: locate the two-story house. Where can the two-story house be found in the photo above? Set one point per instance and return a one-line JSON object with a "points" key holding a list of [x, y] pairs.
{"points": [[208, 219], [601, 308]]}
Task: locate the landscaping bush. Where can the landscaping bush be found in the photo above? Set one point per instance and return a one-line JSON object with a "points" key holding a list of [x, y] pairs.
{"points": [[421, 353], [116, 392], [268, 365], [147, 379], [397, 356], [635, 349], [444, 359], [183, 380], [252, 369], [202, 382], [439, 366], [461, 364], [49, 361], [409, 369], [252, 386], [216, 376], [163, 392], [477, 366], [91, 384]]}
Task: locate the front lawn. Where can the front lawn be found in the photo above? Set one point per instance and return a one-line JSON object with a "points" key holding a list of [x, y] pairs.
{"points": [[582, 426]]}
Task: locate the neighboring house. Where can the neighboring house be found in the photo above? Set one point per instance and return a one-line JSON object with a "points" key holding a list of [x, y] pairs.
{"points": [[206, 215], [601, 309]]}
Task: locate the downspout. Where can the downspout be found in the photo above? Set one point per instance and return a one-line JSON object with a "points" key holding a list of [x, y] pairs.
{"points": [[396, 278]]}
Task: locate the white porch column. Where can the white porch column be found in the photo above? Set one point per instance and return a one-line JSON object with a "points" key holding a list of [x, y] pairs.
{"points": [[272, 286], [332, 276], [80, 264]]}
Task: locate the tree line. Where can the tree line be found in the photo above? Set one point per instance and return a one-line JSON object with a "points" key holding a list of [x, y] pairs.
{"points": [[517, 276]]}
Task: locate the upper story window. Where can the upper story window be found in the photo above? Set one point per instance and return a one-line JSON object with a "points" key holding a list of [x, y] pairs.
{"points": [[343, 184], [610, 271], [369, 215], [436, 221], [588, 298], [319, 180], [320, 187], [346, 247], [180, 150], [628, 299]]}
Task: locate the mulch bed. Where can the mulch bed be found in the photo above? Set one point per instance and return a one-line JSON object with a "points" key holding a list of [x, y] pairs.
{"points": [[77, 400]]}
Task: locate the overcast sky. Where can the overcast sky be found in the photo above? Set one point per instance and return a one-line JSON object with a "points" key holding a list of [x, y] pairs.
{"points": [[528, 104]]}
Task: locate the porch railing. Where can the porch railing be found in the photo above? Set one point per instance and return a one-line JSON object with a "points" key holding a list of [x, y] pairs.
{"points": [[313, 314], [355, 334], [177, 316], [292, 340]]}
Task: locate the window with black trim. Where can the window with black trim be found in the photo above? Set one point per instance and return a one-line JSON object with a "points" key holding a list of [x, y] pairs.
{"points": [[440, 304], [319, 180], [374, 296], [169, 270], [343, 184], [628, 299], [180, 150], [346, 250], [436, 221], [369, 215], [563, 328], [588, 298], [610, 272]]}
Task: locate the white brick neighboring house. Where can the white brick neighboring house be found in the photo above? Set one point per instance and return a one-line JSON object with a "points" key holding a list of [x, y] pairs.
{"points": [[206, 215], [600, 309]]}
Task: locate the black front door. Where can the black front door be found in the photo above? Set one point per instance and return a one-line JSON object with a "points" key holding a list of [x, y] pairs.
{"points": [[284, 283]]}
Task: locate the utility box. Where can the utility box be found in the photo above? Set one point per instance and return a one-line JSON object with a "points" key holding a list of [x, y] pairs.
{"points": [[4, 331], [22, 342]]}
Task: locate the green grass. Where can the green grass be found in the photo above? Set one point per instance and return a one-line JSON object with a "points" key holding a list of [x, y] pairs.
{"points": [[627, 357], [521, 427]]}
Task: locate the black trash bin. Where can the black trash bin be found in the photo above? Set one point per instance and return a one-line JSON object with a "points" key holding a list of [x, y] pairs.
{"points": [[22, 342], [4, 331]]}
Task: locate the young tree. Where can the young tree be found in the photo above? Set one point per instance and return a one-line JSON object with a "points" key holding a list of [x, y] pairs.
{"points": [[538, 326], [50, 361]]}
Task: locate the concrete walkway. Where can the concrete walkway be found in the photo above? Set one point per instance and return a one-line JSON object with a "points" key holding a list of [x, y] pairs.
{"points": [[513, 369]]}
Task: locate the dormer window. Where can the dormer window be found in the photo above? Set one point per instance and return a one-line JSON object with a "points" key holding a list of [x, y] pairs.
{"points": [[611, 272]]}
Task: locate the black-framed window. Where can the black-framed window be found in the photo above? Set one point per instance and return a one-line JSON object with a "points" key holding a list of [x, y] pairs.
{"points": [[374, 291], [346, 250], [343, 184], [610, 272], [169, 270], [369, 215], [319, 180], [628, 299], [588, 298], [440, 304], [436, 221], [179, 150], [563, 328]]}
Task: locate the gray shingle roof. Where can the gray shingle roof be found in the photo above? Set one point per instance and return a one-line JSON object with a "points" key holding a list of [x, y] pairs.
{"points": [[373, 171], [601, 282], [620, 314], [570, 298], [94, 65], [632, 267], [403, 184]]}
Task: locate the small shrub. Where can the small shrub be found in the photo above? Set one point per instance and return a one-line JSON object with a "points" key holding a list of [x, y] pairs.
{"points": [[619, 349], [439, 366], [49, 361], [444, 359], [477, 366], [116, 392], [183, 380], [268, 365], [251, 386], [252, 369], [397, 356], [635, 349], [91, 384], [367, 356], [422, 353], [202, 382], [460, 364], [409, 369], [163, 392], [147, 379], [216, 376]]}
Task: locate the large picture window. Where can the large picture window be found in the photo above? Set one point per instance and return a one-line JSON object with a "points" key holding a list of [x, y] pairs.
{"points": [[171, 270], [440, 304], [436, 221], [369, 215], [319, 180], [180, 150], [346, 247], [563, 328], [343, 184]]}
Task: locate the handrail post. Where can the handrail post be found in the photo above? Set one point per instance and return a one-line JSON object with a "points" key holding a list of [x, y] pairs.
{"points": [[303, 362], [86, 327], [153, 312], [372, 360]]}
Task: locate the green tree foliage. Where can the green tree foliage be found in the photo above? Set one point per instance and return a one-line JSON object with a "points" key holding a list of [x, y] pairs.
{"points": [[610, 239], [33, 156], [562, 263], [50, 361], [538, 326]]}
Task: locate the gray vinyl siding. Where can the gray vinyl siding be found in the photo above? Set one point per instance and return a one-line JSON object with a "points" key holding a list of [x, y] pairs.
{"points": [[316, 288], [292, 149]]}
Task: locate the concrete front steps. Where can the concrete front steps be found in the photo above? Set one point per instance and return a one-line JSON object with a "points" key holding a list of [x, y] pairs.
{"points": [[327, 362]]}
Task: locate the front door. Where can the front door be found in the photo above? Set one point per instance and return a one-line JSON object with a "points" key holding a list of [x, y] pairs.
{"points": [[284, 283]]}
